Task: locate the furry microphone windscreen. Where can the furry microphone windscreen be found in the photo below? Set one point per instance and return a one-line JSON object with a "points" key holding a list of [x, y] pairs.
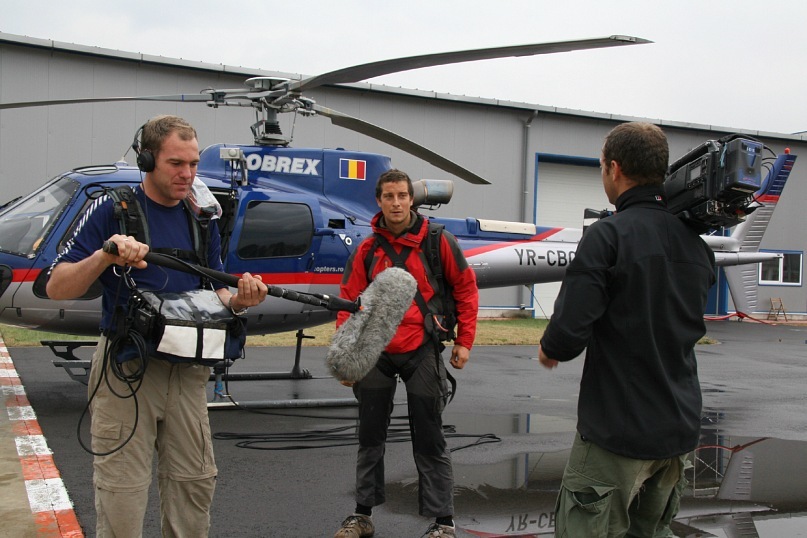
{"points": [[358, 343]]}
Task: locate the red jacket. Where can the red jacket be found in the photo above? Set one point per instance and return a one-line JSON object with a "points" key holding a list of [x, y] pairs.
{"points": [[457, 274]]}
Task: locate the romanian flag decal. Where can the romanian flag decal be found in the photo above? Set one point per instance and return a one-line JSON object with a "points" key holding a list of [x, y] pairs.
{"points": [[352, 169]]}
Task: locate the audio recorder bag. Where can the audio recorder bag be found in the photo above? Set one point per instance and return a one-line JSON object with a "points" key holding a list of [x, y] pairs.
{"points": [[191, 326]]}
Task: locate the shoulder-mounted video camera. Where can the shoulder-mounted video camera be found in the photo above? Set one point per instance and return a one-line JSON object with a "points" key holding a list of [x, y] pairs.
{"points": [[714, 184]]}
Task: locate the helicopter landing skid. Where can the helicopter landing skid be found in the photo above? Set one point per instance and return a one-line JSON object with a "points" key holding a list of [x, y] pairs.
{"points": [[220, 373], [296, 371], [77, 369], [222, 400]]}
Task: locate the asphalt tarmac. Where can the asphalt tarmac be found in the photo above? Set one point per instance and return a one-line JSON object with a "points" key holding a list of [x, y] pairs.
{"points": [[512, 425]]}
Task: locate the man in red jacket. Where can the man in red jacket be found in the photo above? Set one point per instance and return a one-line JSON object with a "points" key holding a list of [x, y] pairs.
{"points": [[401, 237]]}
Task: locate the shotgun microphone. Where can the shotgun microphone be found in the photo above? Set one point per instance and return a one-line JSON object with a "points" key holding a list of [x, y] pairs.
{"points": [[359, 341], [317, 299]]}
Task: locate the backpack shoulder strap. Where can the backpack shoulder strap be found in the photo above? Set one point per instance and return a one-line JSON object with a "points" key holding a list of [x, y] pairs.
{"points": [[398, 258], [443, 292], [132, 219], [129, 213], [200, 234], [432, 252], [435, 263], [368, 258]]}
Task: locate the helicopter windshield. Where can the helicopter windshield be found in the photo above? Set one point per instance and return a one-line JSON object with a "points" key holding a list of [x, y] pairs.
{"points": [[24, 225]]}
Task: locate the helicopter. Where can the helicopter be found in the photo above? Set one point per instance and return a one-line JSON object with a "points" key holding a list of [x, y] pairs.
{"points": [[293, 215]]}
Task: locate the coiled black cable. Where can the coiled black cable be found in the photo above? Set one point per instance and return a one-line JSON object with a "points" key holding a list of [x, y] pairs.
{"points": [[117, 343], [333, 437], [133, 380], [339, 436]]}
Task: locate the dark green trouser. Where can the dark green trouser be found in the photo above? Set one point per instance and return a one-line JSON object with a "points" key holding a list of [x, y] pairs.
{"points": [[607, 495]]}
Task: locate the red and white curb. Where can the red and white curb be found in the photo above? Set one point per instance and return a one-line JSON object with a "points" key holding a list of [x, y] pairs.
{"points": [[50, 504]]}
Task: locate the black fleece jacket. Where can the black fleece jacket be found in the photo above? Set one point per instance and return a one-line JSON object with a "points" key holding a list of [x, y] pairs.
{"points": [[634, 296]]}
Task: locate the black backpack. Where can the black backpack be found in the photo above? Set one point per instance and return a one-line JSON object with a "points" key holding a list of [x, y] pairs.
{"points": [[133, 222], [446, 320], [144, 315]]}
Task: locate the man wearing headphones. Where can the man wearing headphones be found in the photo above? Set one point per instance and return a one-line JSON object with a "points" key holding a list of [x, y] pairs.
{"points": [[166, 405]]}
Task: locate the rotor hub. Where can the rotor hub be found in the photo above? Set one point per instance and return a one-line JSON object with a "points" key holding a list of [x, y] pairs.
{"points": [[265, 83]]}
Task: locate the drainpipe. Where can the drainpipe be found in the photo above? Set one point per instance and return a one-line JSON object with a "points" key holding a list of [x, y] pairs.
{"points": [[525, 166]]}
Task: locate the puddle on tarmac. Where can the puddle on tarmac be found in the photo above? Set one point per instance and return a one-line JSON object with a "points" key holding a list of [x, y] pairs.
{"points": [[738, 485]]}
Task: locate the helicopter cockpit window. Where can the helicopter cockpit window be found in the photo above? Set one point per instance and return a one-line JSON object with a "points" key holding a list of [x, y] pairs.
{"points": [[25, 225], [274, 229]]}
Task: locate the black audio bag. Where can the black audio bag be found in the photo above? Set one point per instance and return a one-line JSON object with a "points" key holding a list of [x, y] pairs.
{"points": [[191, 326]]}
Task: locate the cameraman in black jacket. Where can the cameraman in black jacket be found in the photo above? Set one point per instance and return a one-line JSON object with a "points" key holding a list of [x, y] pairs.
{"points": [[634, 296]]}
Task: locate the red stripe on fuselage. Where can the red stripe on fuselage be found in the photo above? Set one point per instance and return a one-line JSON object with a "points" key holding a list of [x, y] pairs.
{"points": [[277, 279], [534, 239], [24, 275], [768, 198], [29, 275]]}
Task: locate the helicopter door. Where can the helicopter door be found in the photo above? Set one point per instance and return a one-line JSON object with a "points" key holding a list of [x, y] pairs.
{"points": [[275, 236]]}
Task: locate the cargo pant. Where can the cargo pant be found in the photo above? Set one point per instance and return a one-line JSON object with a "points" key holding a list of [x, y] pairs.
{"points": [[607, 495], [426, 392], [170, 415]]}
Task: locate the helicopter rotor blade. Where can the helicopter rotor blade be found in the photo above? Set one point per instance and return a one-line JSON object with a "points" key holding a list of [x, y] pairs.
{"points": [[272, 94], [379, 133], [361, 72], [181, 98]]}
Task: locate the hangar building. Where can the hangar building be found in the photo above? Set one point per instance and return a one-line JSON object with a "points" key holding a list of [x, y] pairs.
{"points": [[542, 161]]}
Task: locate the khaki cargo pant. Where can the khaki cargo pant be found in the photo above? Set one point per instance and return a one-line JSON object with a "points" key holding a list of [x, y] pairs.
{"points": [[170, 415], [607, 495]]}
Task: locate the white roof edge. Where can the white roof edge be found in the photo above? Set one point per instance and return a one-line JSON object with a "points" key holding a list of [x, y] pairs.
{"points": [[524, 228], [139, 57], [236, 70]]}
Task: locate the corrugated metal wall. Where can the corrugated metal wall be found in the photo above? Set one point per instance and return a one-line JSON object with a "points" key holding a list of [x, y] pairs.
{"points": [[486, 137]]}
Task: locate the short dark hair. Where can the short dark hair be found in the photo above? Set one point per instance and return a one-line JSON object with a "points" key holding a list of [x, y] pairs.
{"points": [[641, 150], [158, 128], [393, 175]]}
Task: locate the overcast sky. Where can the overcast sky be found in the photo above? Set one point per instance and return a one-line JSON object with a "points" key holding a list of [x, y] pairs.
{"points": [[732, 63]]}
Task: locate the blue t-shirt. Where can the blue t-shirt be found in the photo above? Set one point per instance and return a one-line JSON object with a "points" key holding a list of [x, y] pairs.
{"points": [[169, 227]]}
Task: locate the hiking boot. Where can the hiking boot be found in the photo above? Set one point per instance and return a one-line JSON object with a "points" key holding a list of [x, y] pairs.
{"points": [[358, 526], [439, 531]]}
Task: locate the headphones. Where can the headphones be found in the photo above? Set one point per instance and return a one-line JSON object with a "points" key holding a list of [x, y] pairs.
{"points": [[145, 158]]}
